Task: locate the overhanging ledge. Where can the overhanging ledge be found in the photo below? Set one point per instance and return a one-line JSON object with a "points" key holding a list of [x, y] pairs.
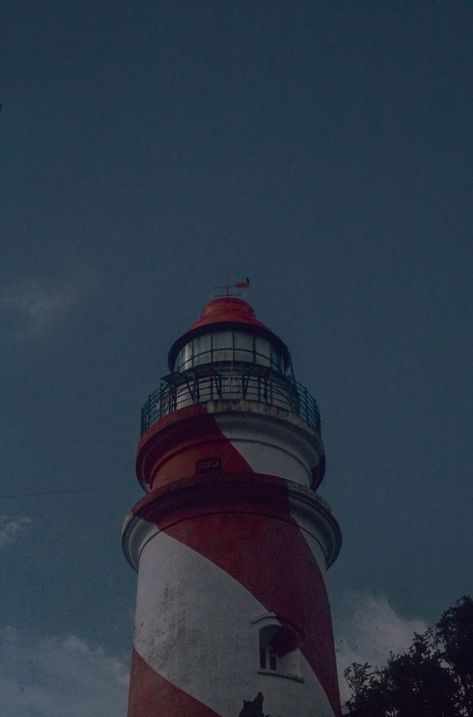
{"points": [[188, 498]]}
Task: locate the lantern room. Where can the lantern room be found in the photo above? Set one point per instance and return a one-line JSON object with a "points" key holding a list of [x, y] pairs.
{"points": [[228, 331], [229, 355]]}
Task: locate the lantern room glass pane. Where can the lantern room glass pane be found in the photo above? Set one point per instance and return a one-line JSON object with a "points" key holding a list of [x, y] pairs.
{"points": [[202, 349], [263, 351], [244, 347], [222, 346], [184, 358], [276, 360]]}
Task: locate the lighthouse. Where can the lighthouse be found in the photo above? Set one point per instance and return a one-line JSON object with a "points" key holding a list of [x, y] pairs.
{"points": [[231, 542]]}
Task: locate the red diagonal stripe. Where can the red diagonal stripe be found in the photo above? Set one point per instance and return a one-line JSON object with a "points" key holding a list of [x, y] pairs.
{"points": [[173, 446], [151, 695]]}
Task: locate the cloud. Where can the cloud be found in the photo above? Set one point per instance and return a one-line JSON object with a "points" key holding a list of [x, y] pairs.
{"points": [[56, 676], [370, 632], [33, 306], [11, 529], [59, 676]]}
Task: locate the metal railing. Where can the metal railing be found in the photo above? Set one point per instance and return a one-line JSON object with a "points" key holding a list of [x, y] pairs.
{"points": [[186, 389]]}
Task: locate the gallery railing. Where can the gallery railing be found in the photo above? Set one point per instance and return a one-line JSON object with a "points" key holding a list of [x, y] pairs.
{"points": [[188, 388]]}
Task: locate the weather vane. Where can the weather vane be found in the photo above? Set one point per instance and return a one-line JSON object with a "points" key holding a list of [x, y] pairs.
{"points": [[239, 285]]}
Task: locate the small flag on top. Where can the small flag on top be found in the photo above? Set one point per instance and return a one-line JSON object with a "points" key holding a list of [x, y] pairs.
{"points": [[243, 284]]}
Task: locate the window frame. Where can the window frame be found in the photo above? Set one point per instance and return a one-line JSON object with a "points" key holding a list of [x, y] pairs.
{"points": [[287, 666]]}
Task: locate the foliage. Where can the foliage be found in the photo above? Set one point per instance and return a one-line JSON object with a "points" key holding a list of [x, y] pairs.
{"points": [[434, 678]]}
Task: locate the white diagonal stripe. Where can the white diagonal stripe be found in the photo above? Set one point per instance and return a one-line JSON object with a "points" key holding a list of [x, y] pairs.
{"points": [[195, 627]]}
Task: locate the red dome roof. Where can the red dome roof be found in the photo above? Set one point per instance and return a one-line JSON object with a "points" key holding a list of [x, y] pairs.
{"points": [[227, 309]]}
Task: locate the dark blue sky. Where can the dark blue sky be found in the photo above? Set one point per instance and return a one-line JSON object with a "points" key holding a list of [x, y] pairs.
{"points": [[150, 150]]}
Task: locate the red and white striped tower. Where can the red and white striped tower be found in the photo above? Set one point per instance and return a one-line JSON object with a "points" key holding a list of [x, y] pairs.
{"points": [[231, 542]]}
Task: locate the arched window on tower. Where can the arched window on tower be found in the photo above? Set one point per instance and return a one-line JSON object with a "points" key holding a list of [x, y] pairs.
{"points": [[279, 650]]}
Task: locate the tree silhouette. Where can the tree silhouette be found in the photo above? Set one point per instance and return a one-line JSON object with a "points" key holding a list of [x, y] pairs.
{"points": [[434, 678]]}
